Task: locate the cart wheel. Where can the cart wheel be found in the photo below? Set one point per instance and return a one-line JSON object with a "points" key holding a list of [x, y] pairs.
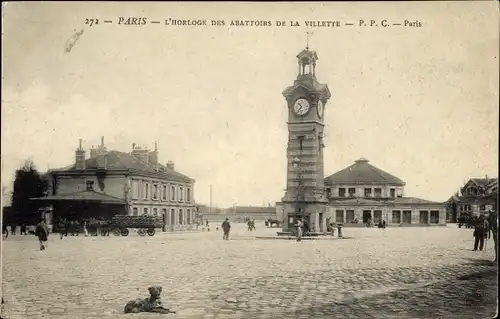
{"points": [[103, 232], [151, 231], [124, 231], [117, 232], [141, 232]]}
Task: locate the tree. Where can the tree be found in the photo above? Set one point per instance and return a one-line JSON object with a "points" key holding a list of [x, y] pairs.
{"points": [[28, 183]]}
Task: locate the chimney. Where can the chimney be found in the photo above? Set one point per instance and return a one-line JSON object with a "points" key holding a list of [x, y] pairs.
{"points": [[142, 154], [80, 157], [102, 156], [171, 165], [153, 156]]}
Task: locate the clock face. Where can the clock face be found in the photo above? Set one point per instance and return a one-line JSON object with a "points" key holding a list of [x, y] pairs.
{"points": [[301, 106], [320, 108]]}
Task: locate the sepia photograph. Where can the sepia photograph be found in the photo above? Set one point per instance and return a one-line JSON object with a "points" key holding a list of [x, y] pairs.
{"points": [[249, 160]]}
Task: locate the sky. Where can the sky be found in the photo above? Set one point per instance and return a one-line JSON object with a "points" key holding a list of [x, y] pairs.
{"points": [[419, 103]]}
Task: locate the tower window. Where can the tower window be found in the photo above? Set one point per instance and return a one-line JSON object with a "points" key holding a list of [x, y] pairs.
{"points": [[301, 141], [90, 185]]}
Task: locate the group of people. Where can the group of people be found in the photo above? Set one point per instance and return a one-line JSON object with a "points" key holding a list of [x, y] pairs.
{"points": [[251, 224], [483, 229], [13, 227]]}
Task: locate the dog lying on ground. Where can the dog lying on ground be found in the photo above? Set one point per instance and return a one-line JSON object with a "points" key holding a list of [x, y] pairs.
{"points": [[151, 304]]}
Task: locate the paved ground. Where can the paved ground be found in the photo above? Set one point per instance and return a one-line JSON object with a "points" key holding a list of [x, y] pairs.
{"points": [[396, 272]]}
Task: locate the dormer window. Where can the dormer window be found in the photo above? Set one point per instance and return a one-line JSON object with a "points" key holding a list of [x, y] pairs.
{"points": [[90, 185]]}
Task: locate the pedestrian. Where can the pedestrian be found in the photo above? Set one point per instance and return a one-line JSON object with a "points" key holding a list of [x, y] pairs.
{"points": [[5, 231], [480, 233], [42, 232], [85, 230], [299, 226], [253, 224], [383, 223], [206, 222], [23, 228], [61, 227], [226, 227], [249, 223], [492, 222], [13, 228]]}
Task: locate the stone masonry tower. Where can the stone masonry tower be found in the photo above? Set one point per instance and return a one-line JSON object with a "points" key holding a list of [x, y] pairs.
{"points": [[305, 196]]}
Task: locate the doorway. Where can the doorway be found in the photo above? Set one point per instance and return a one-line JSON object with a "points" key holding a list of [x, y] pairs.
{"points": [[377, 216], [367, 214]]}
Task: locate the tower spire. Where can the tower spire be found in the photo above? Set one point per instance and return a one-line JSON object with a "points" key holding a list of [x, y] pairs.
{"points": [[308, 33]]}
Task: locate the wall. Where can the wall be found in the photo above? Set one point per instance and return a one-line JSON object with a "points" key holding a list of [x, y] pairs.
{"points": [[360, 189], [113, 185], [177, 206], [387, 213]]}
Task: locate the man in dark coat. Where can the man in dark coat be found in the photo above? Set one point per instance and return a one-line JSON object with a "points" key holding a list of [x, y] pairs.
{"points": [[480, 232], [42, 232], [226, 227]]}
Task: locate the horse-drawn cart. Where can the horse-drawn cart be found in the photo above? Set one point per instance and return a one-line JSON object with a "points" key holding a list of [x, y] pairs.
{"points": [[120, 225]]}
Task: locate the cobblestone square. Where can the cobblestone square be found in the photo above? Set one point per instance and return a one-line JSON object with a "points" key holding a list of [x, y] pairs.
{"points": [[396, 272]]}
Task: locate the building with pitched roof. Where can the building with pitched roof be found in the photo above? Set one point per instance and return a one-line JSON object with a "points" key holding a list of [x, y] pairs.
{"points": [[114, 182], [477, 196], [362, 191]]}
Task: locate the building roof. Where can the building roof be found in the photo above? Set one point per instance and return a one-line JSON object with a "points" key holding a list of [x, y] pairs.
{"points": [[86, 195], [484, 181], [253, 209], [412, 201], [361, 172], [383, 202], [126, 161]]}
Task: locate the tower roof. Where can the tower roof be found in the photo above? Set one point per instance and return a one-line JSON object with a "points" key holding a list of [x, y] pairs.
{"points": [[363, 172]]}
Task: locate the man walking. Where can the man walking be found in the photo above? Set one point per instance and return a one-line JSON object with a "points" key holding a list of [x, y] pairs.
{"points": [[492, 222], [480, 232], [226, 227], [298, 224], [42, 232]]}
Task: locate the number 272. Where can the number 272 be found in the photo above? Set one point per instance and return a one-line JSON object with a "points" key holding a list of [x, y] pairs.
{"points": [[91, 22]]}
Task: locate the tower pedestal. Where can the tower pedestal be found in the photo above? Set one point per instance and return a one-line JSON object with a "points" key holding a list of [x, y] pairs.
{"points": [[313, 213]]}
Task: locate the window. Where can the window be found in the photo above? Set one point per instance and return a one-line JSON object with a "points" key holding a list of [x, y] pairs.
{"points": [[164, 215], [180, 217], [90, 185], [172, 193], [135, 211], [434, 217], [188, 195], [329, 192], [396, 217], [164, 195], [155, 211], [407, 216], [155, 191], [352, 192], [482, 207], [339, 216], [188, 213], [350, 216], [135, 189], [341, 192], [368, 192], [181, 194], [301, 141], [378, 192], [393, 192], [172, 217], [424, 217], [145, 211], [146, 191]]}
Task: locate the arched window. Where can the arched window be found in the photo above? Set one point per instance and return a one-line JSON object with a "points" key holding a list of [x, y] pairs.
{"points": [[145, 211], [155, 211], [135, 211]]}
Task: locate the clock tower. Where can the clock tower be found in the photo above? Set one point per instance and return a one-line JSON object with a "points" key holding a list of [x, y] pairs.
{"points": [[305, 196]]}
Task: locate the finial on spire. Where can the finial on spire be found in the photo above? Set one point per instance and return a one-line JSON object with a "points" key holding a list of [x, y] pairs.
{"points": [[308, 33], [156, 145]]}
